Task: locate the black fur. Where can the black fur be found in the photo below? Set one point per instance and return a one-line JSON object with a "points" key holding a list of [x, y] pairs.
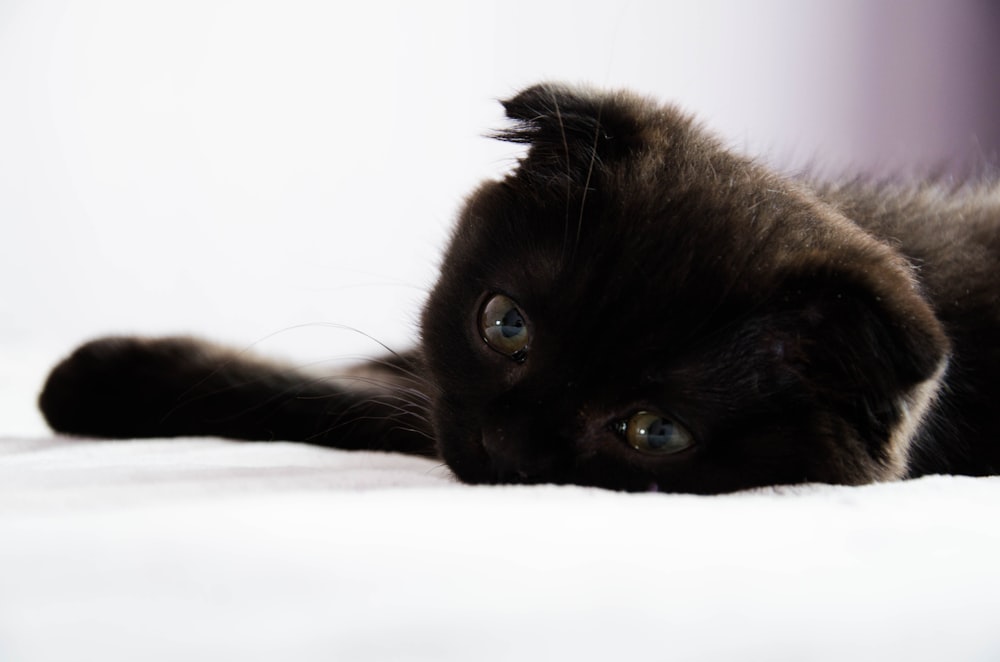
{"points": [[799, 331], [167, 387]]}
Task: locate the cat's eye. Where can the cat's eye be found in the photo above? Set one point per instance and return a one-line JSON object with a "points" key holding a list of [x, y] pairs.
{"points": [[650, 432], [504, 328]]}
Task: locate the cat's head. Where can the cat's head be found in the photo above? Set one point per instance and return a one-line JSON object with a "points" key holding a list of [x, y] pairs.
{"points": [[637, 308]]}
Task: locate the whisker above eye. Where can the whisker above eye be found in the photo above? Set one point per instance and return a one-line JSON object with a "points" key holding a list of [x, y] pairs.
{"points": [[586, 183], [569, 172]]}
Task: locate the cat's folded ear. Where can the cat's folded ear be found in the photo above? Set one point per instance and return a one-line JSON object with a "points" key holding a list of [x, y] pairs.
{"points": [[873, 351], [571, 129]]}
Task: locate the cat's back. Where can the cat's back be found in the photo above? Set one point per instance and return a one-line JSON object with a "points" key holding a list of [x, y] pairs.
{"points": [[951, 235]]}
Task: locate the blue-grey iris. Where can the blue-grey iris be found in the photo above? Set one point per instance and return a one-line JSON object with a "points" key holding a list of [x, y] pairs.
{"points": [[650, 432], [503, 326]]}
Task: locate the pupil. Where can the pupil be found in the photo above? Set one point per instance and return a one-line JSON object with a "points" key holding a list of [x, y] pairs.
{"points": [[659, 433], [512, 324]]}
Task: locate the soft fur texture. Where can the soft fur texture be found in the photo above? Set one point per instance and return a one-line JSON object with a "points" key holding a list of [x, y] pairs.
{"points": [[785, 331]]}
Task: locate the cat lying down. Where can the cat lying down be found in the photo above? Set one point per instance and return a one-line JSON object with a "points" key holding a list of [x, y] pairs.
{"points": [[636, 308]]}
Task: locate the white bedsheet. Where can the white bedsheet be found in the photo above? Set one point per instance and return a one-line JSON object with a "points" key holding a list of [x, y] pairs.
{"points": [[209, 549]]}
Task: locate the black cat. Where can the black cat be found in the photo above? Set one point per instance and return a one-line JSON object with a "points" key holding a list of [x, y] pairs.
{"points": [[636, 308]]}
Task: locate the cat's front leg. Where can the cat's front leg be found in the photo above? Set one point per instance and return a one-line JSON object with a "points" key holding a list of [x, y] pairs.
{"points": [[126, 387]]}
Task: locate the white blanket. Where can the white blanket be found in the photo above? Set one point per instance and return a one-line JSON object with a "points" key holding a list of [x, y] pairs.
{"points": [[210, 549]]}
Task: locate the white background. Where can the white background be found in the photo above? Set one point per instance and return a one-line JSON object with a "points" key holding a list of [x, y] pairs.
{"points": [[259, 172]]}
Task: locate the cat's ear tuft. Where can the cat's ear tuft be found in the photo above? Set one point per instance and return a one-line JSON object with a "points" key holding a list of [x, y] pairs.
{"points": [[550, 110], [570, 130]]}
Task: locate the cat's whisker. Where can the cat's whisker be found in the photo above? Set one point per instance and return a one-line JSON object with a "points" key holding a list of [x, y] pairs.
{"points": [[569, 171], [586, 183], [414, 376], [420, 415], [410, 385], [408, 407], [438, 467], [345, 327], [192, 396], [402, 395], [340, 424], [235, 356]]}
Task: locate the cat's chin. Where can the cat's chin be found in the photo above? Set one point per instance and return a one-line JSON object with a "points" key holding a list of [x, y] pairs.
{"points": [[477, 459], [472, 462]]}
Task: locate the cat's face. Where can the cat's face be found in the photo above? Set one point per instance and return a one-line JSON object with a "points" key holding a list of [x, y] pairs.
{"points": [[636, 308]]}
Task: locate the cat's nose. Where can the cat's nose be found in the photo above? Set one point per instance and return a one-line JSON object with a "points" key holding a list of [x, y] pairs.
{"points": [[515, 459]]}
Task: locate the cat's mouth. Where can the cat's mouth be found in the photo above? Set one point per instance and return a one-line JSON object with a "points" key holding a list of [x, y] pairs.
{"points": [[515, 452], [515, 458]]}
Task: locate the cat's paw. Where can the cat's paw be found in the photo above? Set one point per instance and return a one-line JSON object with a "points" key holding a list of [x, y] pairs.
{"points": [[115, 387]]}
